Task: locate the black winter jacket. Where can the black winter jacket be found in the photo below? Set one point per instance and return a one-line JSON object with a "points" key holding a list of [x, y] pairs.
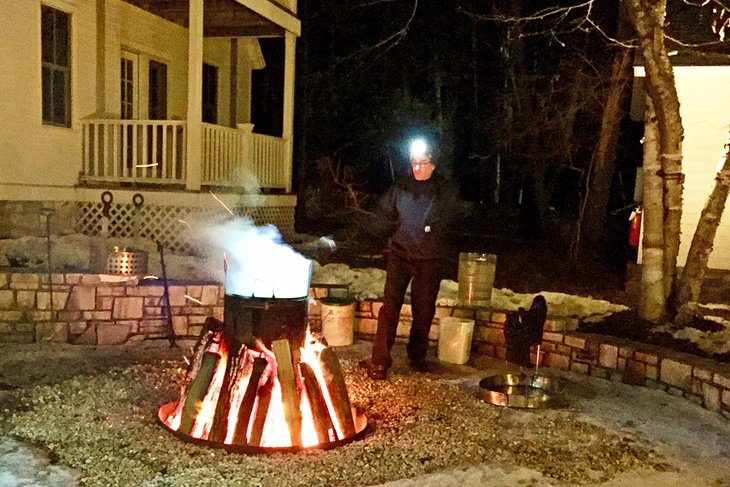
{"points": [[422, 215]]}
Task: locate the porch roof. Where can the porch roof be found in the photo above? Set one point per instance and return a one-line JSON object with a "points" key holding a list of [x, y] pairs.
{"points": [[229, 18]]}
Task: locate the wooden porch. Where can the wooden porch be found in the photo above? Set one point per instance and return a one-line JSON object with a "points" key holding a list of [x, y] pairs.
{"points": [[190, 152]]}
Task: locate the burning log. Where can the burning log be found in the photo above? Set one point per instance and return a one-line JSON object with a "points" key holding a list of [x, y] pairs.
{"points": [[220, 418], [196, 391], [210, 324], [334, 382], [247, 403], [259, 419], [320, 414], [211, 329], [265, 383], [289, 395]]}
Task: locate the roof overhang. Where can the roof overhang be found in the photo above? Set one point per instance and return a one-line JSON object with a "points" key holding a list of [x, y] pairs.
{"points": [[229, 18]]}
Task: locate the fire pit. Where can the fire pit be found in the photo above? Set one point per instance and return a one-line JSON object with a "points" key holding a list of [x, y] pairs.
{"points": [[260, 381]]}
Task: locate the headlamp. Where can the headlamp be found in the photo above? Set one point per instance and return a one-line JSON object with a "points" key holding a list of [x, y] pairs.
{"points": [[419, 148]]}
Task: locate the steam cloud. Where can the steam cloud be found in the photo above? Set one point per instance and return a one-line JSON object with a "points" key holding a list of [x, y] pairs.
{"points": [[260, 264]]}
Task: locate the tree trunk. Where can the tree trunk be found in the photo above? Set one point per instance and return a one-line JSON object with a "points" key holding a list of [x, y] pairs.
{"points": [[652, 303], [648, 19], [688, 289], [603, 161]]}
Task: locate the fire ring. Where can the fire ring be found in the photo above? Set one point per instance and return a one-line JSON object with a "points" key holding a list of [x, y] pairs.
{"points": [[519, 391], [259, 381], [362, 428]]}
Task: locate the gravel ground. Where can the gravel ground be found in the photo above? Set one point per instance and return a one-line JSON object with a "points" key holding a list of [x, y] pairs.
{"points": [[92, 411]]}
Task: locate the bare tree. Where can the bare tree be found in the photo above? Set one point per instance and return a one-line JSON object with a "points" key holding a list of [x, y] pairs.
{"points": [[653, 302]]}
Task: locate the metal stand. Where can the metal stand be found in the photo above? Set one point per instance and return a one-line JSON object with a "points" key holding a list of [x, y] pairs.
{"points": [[166, 297], [48, 212]]}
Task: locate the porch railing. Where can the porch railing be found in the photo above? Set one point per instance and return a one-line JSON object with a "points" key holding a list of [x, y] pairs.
{"points": [[147, 151], [237, 157], [154, 152]]}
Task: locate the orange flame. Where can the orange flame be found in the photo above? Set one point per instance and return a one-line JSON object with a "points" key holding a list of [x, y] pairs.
{"points": [[275, 430]]}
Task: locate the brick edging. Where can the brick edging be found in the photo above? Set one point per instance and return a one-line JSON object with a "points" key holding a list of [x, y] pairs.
{"points": [[700, 380], [89, 309]]}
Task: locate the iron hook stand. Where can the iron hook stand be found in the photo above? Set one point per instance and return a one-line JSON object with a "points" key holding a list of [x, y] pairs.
{"points": [[48, 212], [166, 296]]}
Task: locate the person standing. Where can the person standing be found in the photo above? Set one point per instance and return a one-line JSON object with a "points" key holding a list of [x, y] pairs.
{"points": [[421, 211]]}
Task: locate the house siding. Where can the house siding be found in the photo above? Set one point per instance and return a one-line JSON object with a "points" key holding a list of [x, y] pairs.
{"points": [[705, 110], [29, 150], [704, 94]]}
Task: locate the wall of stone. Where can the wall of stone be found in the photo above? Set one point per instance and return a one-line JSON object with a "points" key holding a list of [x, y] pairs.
{"points": [[26, 219], [94, 309], [699, 380]]}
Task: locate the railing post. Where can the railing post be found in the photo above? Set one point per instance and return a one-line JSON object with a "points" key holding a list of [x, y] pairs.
{"points": [[290, 43], [246, 155]]}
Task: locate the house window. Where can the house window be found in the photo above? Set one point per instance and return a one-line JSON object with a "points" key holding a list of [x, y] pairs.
{"points": [[210, 93], [56, 66], [158, 91], [128, 87]]}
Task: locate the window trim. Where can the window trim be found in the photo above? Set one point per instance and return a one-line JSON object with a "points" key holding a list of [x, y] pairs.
{"points": [[134, 59]]}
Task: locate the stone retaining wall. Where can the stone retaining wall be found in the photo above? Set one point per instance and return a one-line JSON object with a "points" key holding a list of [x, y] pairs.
{"points": [[93, 309], [699, 380], [109, 310]]}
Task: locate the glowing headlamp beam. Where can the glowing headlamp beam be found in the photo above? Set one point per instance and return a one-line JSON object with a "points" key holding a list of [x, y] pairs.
{"points": [[418, 148]]}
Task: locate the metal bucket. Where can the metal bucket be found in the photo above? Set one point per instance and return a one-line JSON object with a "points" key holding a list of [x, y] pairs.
{"points": [[476, 278], [127, 262]]}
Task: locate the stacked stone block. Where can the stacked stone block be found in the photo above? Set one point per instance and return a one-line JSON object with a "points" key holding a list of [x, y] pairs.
{"points": [[90, 309], [699, 380]]}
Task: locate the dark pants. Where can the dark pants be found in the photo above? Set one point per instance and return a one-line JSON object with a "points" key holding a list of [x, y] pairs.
{"points": [[426, 276]]}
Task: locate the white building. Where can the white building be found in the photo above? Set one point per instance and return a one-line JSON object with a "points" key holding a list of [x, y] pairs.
{"points": [[148, 101], [704, 97]]}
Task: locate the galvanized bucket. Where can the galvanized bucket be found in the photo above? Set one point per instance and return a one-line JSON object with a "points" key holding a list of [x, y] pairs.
{"points": [[127, 262]]}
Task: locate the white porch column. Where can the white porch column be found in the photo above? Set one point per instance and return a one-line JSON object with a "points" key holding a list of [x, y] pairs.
{"points": [[101, 58], [290, 44], [194, 150]]}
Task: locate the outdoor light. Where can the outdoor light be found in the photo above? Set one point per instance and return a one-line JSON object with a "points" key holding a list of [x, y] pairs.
{"points": [[418, 148]]}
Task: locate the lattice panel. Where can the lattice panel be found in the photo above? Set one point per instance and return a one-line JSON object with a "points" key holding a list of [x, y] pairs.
{"points": [[170, 224]]}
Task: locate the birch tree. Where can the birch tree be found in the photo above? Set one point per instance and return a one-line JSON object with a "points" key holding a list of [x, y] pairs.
{"points": [[648, 17], [652, 304]]}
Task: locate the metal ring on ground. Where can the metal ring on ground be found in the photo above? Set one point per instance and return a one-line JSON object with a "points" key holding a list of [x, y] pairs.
{"points": [[518, 390], [363, 427]]}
